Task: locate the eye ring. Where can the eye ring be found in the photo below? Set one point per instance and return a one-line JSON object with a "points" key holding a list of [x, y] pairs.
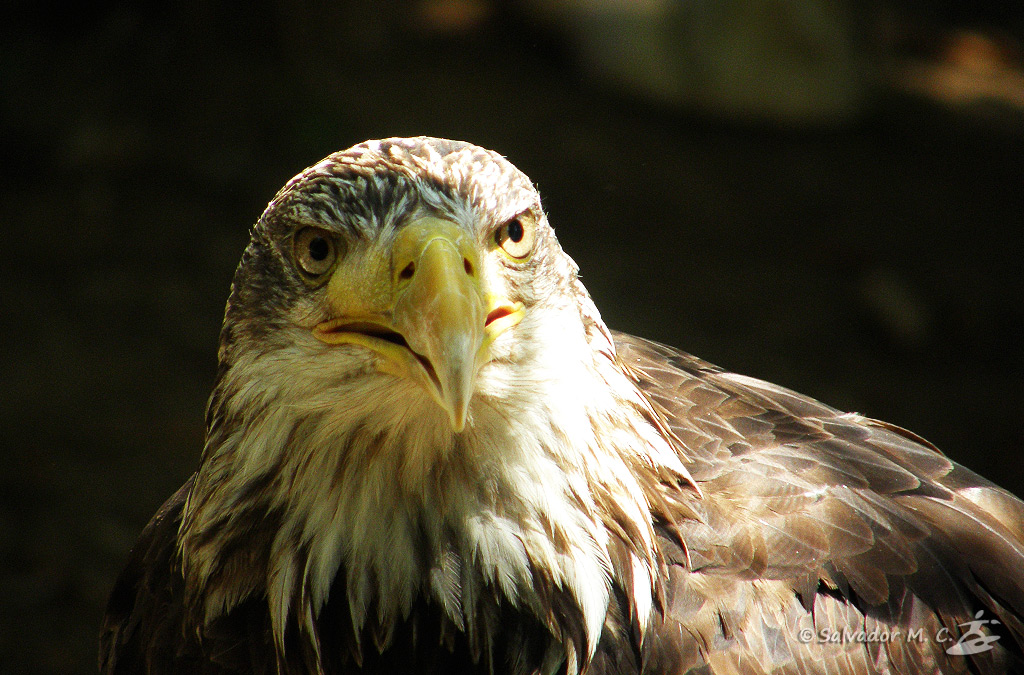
{"points": [[516, 237], [315, 250]]}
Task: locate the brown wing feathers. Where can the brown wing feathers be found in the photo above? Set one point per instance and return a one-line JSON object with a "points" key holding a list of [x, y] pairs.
{"points": [[806, 508]]}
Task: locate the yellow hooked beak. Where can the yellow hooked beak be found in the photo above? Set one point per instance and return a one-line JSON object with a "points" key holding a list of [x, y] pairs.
{"points": [[424, 311]]}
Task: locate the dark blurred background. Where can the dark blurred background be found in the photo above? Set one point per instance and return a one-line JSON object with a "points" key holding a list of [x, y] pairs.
{"points": [[821, 193]]}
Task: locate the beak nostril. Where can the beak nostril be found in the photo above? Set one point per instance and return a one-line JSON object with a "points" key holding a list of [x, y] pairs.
{"points": [[407, 271], [468, 266]]}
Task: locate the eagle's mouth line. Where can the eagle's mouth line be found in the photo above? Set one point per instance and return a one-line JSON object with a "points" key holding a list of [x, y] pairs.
{"points": [[498, 313], [377, 335], [375, 331]]}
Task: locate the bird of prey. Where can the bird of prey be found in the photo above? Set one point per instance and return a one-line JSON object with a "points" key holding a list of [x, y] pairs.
{"points": [[426, 453]]}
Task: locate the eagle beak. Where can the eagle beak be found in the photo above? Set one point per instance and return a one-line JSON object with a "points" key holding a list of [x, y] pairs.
{"points": [[434, 323], [439, 309]]}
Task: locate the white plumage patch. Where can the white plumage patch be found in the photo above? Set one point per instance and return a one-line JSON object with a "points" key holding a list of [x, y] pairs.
{"points": [[375, 463]]}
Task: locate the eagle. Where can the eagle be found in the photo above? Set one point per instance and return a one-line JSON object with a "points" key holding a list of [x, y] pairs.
{"points": [[426, 453]]}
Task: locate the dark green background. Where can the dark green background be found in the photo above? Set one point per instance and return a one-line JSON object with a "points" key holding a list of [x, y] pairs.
{"points": [[139, 145]]}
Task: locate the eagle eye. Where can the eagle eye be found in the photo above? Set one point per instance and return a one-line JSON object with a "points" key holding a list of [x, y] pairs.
{"points": [[315, 250], [516, 237]]}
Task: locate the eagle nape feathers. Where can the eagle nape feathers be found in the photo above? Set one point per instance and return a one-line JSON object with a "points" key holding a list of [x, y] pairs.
{"points": [[426, 453]]}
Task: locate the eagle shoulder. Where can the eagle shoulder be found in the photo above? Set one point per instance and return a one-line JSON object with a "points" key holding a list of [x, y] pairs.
{"points": [[815, 519], [147, 628]]}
